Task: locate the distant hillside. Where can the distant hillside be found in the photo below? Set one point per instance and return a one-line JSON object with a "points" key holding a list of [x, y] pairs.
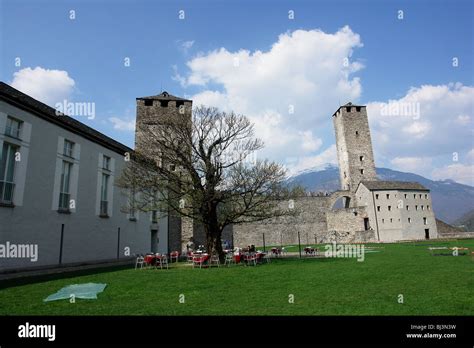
{"points": [[451, 200], [467, 221]]}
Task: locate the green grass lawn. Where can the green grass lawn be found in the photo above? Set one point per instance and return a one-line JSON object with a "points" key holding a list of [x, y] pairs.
{"points": [[430, 285]]}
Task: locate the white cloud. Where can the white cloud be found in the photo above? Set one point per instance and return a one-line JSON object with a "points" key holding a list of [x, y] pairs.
{"points": [[434, 121], [123, 124], [289, 91], [462, 173], [418, 165], [309, 142], [48, 86], [417, 129]]}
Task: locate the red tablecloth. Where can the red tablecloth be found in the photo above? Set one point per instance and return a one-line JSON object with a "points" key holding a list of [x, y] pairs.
{"points": [[151, 259], [201, 258], [241, 257]]}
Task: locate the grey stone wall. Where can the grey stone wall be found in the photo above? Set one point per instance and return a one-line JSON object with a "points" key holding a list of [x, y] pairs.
{"points": [[155, 115], [347, 225], [311, 225], [353, 141]]}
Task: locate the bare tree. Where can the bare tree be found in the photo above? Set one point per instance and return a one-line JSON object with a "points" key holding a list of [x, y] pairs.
{"points": [[205, 169]]}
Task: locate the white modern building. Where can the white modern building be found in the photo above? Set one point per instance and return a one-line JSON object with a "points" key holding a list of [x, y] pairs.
{"points": [[57, 190]]}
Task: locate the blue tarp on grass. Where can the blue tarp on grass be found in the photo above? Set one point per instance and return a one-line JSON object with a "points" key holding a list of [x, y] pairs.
{"points": [[86, 291]]}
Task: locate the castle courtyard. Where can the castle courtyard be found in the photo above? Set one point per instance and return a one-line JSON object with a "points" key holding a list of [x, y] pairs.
{"points": [[397, 279]]}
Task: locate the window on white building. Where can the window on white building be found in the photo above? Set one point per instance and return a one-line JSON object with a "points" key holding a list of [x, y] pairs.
{"points": [[13, 127], [103, 195], [68, 148], [64, 189], [105, 162], [7, 173]]}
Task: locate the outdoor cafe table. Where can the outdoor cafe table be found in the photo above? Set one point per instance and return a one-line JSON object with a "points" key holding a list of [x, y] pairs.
{"points": [[276, 251], [151, 259], [240, 257], [309, 250]]}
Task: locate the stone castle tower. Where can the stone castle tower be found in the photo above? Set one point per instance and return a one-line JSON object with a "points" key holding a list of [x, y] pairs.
{"points": [[159, 110], [354, 146], [154, 111]]}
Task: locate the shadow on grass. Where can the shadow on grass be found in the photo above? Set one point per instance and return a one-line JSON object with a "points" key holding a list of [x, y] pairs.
{"points": [[63, 275]]}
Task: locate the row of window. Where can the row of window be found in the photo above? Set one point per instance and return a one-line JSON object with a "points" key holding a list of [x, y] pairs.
{"points": [[420, 196], [65, 202], [7, 171], [422, 207], [163, 103], [425, 221]]}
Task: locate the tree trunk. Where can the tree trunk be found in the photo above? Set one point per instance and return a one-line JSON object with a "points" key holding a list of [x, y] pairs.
{"points": [[213, 235], [214, 241]]}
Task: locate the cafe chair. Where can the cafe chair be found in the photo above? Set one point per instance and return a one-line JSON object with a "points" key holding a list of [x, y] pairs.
{"points": [[198, 260], [214, 260], [162, 261], [174, 255], [250, 258], [229, 259], [139, 261]]}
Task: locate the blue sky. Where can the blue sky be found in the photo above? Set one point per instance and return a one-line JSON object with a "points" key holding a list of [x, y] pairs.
{"points": [[387, 56]]}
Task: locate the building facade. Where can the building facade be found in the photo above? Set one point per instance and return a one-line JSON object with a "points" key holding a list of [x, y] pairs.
{"points": [[398, 210], [57, 189]]}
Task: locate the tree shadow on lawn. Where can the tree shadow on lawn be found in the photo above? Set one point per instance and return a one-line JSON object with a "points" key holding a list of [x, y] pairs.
{"points": [[57, 276]]}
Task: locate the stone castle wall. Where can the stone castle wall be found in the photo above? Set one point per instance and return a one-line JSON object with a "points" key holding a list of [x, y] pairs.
{"points": [[311, 225]]}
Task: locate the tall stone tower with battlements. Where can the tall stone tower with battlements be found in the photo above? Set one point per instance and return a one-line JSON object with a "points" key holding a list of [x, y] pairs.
{"points": [[354, 146], [170, 232]]}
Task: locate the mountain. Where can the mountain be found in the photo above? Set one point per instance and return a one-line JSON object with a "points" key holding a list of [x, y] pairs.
{"points": [[466, 221], [451, 200]]}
